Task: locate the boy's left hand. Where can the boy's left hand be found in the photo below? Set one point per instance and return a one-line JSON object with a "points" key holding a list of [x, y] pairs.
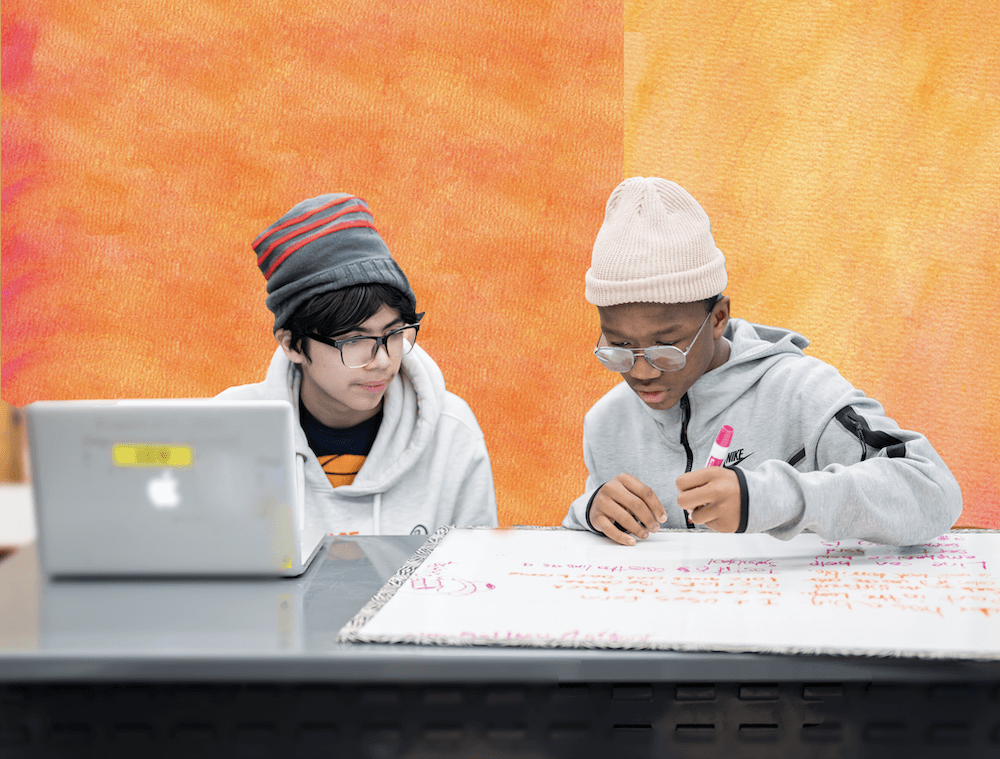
{"points": [[712, 497]]}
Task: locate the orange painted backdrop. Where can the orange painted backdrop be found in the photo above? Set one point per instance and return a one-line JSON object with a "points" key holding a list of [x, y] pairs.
{"points": [[847, 156], [147, 143]]}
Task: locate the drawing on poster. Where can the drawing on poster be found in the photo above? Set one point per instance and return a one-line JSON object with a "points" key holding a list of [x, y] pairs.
{"points": [[702, 591]]}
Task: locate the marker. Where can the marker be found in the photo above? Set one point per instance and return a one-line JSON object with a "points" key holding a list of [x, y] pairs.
{"points": [[716, 457], [721, 446]]}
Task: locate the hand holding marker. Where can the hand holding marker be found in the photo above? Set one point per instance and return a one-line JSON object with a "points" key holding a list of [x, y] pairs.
{"points": [[716, 457]]}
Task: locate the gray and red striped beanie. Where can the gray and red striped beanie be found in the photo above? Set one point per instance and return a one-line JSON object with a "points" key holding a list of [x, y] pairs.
{"points": [[322, 244]]}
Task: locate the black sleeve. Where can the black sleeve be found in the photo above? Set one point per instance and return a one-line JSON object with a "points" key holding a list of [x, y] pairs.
{"points": [[586, 514], [744, 499]]}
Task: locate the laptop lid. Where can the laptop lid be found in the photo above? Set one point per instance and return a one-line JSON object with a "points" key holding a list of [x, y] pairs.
{"points": [[168, 487]]}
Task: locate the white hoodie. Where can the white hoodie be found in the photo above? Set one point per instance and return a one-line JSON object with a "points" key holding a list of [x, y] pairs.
{"points": [[428, 466]]}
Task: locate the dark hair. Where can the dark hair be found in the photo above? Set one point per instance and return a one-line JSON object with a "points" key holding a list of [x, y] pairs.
{"points": [[336, 312]]}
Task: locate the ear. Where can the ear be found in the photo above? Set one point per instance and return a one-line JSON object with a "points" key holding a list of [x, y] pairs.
{"points": [[284, 338], [720, 317]]}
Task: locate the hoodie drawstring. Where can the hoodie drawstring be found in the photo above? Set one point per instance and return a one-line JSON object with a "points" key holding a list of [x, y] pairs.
{"points": [[377, 514]]}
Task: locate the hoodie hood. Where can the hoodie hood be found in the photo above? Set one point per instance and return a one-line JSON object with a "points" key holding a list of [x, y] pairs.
{"points": [[754, 349], [411, 409], [427, 467]]}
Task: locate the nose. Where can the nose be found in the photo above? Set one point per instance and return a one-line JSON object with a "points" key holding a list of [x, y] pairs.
{"points": [[380, 359], [643, 371]]}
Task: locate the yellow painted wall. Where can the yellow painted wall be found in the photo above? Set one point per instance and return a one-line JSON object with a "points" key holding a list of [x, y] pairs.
{"points": [[848, 155]]}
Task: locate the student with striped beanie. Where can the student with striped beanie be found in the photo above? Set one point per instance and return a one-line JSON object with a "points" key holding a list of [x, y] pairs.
{"points": [[384, 447]]}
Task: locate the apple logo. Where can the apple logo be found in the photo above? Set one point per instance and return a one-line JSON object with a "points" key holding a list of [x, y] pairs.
{"points": [[162, 491]]}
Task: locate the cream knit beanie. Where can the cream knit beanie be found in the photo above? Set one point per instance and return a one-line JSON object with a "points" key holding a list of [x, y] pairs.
{"points": [[655, 246]]}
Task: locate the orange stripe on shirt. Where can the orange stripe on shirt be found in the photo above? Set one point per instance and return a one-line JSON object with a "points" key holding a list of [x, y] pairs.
{"points": [[341, 468]]}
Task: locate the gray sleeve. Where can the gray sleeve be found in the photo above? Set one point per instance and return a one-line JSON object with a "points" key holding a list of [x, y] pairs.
{"points": [[858, 476]]}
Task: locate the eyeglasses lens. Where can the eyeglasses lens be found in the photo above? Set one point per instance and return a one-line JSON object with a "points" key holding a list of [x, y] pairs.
{"points": [[665, 358], [409, 336], [361, 352], [615, 359]]}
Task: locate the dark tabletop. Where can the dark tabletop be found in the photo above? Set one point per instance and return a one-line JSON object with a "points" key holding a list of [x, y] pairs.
{"points": [[285, 630]]}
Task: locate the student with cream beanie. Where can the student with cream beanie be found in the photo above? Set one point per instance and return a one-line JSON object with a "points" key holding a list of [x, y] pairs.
{"points": [[809, 451]]}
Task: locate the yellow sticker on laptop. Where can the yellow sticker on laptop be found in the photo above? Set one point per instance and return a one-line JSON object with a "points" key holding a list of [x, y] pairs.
{"points": [[125, 454]]}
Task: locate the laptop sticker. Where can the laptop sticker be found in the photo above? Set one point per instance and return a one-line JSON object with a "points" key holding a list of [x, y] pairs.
{"points": [[126, 454]]}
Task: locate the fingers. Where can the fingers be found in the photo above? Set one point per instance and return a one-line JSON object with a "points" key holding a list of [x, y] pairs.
{"points": [[712, 497], [615, 521], [624, 509], [699, 477], [717, 518], [639, 499], [705, 486], [707, 515], [608, 526]]}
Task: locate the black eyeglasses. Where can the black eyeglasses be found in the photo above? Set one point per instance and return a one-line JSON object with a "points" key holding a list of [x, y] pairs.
{"points": [[357, 352]]}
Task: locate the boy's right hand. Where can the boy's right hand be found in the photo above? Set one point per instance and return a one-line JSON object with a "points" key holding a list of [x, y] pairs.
{"points": [[634, 507]]}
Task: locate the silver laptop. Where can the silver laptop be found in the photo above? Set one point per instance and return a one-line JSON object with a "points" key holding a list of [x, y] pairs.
{"points": [[168, 487]]}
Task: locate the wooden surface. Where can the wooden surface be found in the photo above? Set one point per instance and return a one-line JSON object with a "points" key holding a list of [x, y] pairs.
{"points": [[12, 468]]}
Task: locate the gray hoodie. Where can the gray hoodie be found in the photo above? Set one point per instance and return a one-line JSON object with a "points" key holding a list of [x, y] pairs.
{"points": [[428, 466], [811, 451]]}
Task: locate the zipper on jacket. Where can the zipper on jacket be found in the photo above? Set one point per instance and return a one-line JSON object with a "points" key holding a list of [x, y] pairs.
{"points": [[861, 438], [686, 408]]}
